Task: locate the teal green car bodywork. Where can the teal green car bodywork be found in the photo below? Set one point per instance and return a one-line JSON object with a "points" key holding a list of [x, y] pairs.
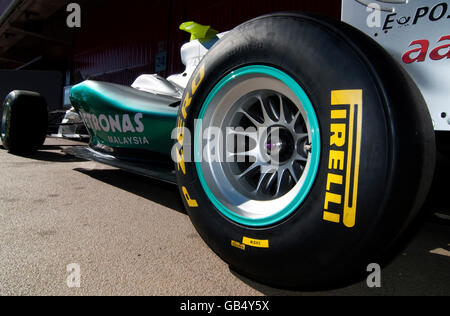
{"points": [[122, 117]]}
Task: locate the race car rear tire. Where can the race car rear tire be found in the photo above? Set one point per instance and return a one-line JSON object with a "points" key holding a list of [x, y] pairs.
{"points": [[24, 122], [350, 118]]}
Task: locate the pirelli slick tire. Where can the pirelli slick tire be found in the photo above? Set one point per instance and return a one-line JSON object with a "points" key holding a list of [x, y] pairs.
{"points": [[24, 122], [336, 151]]}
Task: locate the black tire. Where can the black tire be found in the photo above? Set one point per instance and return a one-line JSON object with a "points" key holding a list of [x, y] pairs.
{"points": [[24, 122], [397, 153]]}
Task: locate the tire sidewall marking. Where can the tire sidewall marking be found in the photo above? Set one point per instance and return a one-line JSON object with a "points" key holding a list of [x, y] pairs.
{"points": [[346, 119], [197, 80]]}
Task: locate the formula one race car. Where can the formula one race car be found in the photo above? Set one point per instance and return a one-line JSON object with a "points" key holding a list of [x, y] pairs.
{"points": [[302, 150]]}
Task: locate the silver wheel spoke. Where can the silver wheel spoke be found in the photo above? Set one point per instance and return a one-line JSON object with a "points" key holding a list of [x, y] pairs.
{"points": [[271, 181], [249, 170], [262, 177], [251, 118], [282, 118], [292, 172], [294, 120], [301, 136], [266, 116], [299, 157], [280, 175]]}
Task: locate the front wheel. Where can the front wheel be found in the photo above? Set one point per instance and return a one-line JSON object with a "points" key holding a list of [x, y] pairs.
{"points": [[311, 150]]}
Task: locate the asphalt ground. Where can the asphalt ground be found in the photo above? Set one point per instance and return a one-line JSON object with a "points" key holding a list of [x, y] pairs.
{"points": [[129, 235]]}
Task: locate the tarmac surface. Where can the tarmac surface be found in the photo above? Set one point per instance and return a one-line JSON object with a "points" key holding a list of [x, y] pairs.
{"points": [[129, 235]]}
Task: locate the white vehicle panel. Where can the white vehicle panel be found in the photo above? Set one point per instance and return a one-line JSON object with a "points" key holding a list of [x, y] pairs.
{"points": [[417, 34]]}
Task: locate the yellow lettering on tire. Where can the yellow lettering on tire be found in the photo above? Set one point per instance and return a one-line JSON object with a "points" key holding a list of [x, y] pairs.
{"points": [[255, 242], [338, 114], [331, 217], [333, 179], [237, 245], [337, 158], [180, 161], [332, 198], [186, 103], [191, 202], [345, 150], [198, 79], [338, 132]]}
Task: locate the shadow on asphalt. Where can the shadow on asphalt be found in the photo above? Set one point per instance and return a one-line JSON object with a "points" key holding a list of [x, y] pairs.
{"points": [[160, 192], [49, 153], [52, 156], [58, 147]]}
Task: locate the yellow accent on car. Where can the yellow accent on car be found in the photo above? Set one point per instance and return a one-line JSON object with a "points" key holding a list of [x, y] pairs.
{"points": [[198, 31]]}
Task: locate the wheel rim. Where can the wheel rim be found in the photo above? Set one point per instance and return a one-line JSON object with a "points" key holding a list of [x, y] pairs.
{"points": [[271, 164]]}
